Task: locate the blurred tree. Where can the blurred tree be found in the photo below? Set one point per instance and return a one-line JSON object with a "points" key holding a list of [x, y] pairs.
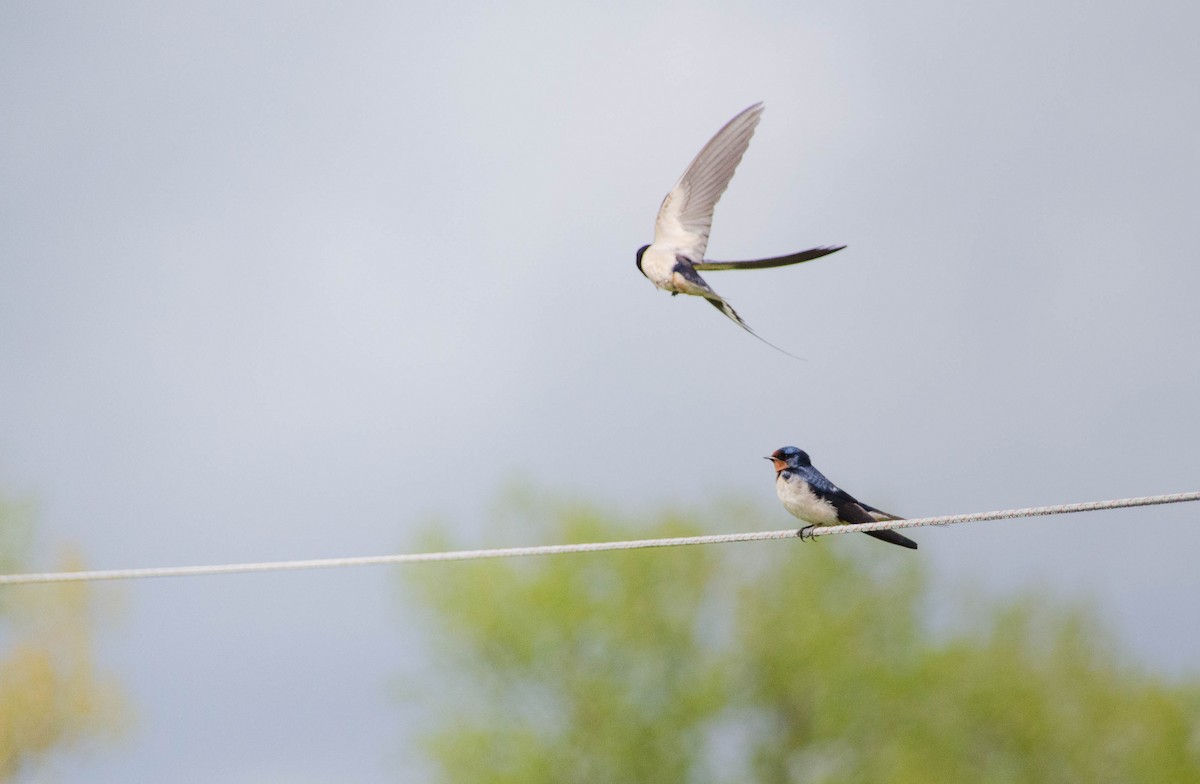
{"points": [[773, 663], [51, 696]]}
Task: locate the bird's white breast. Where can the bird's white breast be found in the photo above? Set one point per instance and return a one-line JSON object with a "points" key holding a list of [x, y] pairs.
{"points": [[657, 265], [802, 502]]}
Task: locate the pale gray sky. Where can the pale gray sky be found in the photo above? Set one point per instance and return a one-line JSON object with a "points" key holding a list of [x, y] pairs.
{"points": [[270, 272]]}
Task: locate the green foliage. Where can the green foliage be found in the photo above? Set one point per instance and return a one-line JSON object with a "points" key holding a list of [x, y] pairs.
{"points": [[853, 688], [51, 696], [776, 662], [579, 669]]}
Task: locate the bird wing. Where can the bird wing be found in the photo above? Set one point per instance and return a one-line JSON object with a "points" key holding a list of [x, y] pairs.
{"points": [[851, 510], [685, 217], [778, 261], [836, 495], [858, 512], [879, 514]]}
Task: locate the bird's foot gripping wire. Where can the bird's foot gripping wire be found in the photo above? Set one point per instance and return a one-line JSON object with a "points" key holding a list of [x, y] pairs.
{"points": [[805, 533]]}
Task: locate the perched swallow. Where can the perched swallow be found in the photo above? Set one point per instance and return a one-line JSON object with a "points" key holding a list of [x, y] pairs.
{"points": [[807, 494], [676, 258]]}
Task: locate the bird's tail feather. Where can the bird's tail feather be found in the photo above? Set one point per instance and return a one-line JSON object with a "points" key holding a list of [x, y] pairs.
{"points": [[892, 537], [728, 310]]}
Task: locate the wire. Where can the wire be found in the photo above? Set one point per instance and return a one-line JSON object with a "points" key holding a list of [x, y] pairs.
{"points": [[1005, 514], [592, 547]]}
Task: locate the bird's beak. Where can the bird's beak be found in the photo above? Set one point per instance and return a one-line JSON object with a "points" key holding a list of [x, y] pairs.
{"points": [[779, 464]]}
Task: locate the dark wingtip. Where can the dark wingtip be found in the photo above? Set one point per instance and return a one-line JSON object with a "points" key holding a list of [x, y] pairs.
{"points": [[774, 261]]}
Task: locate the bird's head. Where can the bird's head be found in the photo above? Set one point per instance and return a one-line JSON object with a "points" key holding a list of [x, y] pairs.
{"points": [[789, 457], [641, 251]]}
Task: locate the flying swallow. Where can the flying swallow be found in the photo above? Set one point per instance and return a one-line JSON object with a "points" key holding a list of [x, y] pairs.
{"points": [[676, 258], [807, 494]]}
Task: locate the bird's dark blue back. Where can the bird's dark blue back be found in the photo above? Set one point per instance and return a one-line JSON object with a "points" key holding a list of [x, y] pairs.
{"points": [[822, 486]]}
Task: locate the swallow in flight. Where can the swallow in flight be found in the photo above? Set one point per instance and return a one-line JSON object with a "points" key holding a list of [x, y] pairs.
{"points": [[676, 258], [807, 494]]}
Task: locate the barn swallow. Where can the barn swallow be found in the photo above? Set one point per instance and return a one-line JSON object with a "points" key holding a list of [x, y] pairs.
{"points": [[676, 258], [807, 494]]}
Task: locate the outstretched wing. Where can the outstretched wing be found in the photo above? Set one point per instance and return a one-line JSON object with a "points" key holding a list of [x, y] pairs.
{"points": [[685, 217], [777, 261]]}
